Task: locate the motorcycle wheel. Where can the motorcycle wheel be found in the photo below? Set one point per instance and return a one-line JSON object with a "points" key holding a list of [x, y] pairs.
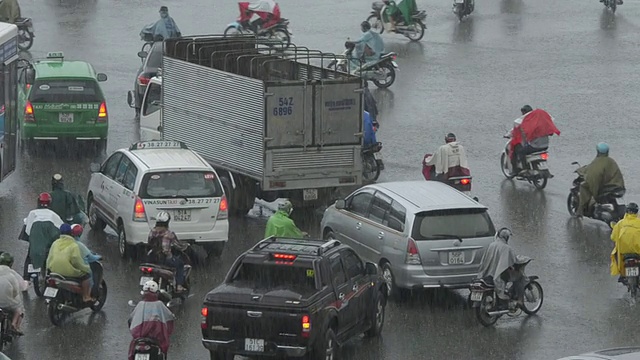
{"points": [[460, 11], [389, 79], [533, 286], [375, 23], [572, 203], [505, 167], [483, 316], [232, 31], [633, 286], [418, 34], [101, 298], [40, 285], [540, 182], [281, 35], [56, 316], [613, 5], [370, 169], [25, 40]]}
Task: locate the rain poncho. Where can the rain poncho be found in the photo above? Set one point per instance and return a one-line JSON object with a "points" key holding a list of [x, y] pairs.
{"points": [[11, 287], [43, 228], [370, 104], [497, 258], [451, 159], [151, 319], [164, 27], [530, 126], [64, 203], [626, 237], [267, 6], [603, 174], [405, 7], [369, 131], [9, 11], [281, 225], [66, 259], [88, 256], [370, 45]]}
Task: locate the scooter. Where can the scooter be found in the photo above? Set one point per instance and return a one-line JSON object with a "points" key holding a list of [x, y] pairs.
{"points": [[36, 275], [381, 72], [147, 349], [415, 31], [609, 207], [611, 5], [164, 276], [460, 183], [462, 8], [7, 334], [536, 170], [25, 33], [372, 162]]}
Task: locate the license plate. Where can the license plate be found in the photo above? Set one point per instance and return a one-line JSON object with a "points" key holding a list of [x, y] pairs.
{"points": [[30, 269], [632, 271], [456, 258], [65, 118], [310, 194], [542, 166], [142, 357], [182, 215], [377, 156], [458, 2], [476, 296], [395, 64], [50, 292], [144, 279], [254, 345]]}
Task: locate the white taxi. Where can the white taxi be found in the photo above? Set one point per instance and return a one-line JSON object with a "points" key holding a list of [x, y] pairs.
{"points": [[128, 190]]}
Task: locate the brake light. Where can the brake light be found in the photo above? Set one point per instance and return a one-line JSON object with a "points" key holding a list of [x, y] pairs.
{"points": [[413, 256], [205, 313], [143, 80], [102, 112], [394, 57], [306, 326], [288, 257], [28, 113], [146, 270], [223, 209], [28, 86], [544, 156], [465, 181], [139, 213]]}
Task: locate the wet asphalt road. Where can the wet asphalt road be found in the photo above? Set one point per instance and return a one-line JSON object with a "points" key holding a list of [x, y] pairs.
{"points": [[471, 78]]}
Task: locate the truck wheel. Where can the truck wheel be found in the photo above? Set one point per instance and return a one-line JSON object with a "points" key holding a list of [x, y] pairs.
{"points": [[378, 312], [328, 347]]}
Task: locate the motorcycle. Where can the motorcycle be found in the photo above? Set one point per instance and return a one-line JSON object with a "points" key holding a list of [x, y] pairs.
{"points": [[381, 72], [147, 349], [611, 5], [462, 8], [605, 209], [484, 298], [372, 162], [25, 33], [278, 30], [36, 275], [536, 171], [460, 183], [164, 276], [414, 31], [632, 273], [64, 295], [7, 335]]}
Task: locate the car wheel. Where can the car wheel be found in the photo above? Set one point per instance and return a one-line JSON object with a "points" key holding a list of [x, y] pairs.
{"points": [[124, 248], [392, 290], [328, 347], [378, 315], [95, 222]]}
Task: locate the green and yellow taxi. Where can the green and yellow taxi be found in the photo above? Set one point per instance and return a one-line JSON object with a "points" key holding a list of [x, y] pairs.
{"points": [[62, 99]]}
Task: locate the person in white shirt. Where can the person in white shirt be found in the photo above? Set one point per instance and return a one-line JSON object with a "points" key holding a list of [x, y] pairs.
{"points": [[450, 159]]}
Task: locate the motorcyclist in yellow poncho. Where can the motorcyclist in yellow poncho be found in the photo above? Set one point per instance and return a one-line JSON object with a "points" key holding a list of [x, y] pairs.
{"points": [[626, 237]]}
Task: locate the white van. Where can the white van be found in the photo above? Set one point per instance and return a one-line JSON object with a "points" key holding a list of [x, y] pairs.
{"points": [[151, 110]]}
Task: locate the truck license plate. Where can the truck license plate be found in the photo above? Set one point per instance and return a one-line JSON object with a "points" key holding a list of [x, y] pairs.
{"points": [[144, 279], [142, 357], [632, 271], [456, 258], [254, 345], [50, 292], [310, 194], [476, 296], [182, 215], [66, 118], [31, 270]]}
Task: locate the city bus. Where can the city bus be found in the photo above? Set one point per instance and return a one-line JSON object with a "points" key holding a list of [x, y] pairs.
{"points": [[8, 98]]}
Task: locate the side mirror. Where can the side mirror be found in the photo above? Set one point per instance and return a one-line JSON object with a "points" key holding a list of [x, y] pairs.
{"points": [[94, 167], [142, 54], [371, 268], [30, 76], [102, 77], [340, 204]]}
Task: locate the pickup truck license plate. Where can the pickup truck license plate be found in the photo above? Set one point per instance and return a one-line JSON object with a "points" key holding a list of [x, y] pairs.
{"points": [[456, 258], [31, 270], [66, 118], [632, 271], [144, 279], [182, 215], [476, 296], [142, 357], [310, 194], [254, 345], [50, 292]]}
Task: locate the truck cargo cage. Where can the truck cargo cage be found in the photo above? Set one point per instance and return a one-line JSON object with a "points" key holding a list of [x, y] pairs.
{"points": [[321, 249]]}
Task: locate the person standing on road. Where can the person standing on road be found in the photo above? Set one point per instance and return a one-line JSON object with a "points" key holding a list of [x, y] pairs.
{"points": [[280, 224], [626, 238]]}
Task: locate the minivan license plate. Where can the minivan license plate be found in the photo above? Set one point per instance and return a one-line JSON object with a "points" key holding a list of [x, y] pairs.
{"points": [[142, 357], [456, 258], [254, 345], [633, 271], [476, 296], [310, 194], [65, 118], [182, 215]]}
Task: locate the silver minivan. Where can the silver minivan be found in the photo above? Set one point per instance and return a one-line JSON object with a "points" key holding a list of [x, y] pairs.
{"points": [[423, 234]]}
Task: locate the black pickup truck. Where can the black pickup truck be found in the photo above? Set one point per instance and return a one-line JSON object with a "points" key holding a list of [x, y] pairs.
{"points": [[293, 298]]}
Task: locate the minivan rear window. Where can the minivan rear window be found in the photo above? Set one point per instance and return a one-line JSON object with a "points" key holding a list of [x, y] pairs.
{"points": [[162, 185], [65, 91], [300, 279], [464, 223]]}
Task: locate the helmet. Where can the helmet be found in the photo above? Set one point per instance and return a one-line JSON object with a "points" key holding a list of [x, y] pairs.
{"points": [[76, 230], [602, 148], [525, 109], [632, 208], [450, 137], [163, 217], [65, 229], [44, 200], [504, 234], [285, 206], [6, 259], [150, 286], [365, 26]]}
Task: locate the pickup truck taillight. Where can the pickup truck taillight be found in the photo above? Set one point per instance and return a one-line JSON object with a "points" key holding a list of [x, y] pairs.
{"points": [[306, 326], [205, 313]]}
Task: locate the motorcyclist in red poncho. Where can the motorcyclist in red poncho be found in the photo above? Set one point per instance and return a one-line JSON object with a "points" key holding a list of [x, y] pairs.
{"points": [[530, 134], [151, 319]]}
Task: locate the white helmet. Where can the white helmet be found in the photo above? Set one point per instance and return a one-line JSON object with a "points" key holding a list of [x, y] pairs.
{"points": [[163, 217], [150, 286]]}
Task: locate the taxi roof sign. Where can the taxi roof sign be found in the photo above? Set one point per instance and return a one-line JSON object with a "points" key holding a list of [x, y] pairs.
{"points": [[158, 144], [55, 55]]}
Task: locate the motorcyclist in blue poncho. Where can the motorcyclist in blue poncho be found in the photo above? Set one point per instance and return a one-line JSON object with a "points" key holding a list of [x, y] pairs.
{"points": [[368, 48], [164, 28]]}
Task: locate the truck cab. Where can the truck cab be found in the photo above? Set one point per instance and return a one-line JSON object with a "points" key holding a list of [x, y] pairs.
{"points": [[150, 113]]}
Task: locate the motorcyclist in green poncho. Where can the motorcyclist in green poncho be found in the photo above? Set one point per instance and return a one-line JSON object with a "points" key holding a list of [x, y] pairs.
{"points": [[42, 226], [64, 203], [400, 12], [281, 225], [368, 48]]}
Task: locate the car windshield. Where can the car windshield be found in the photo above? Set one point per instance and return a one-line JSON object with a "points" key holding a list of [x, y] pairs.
{"points": [[272, 277], [463, 223], [159, 185], [65, 91]]}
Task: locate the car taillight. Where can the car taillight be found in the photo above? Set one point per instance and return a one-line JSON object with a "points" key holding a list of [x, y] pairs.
{"points": [[306, 326], [223, 209], [205, 313], [413, 256], [138, 211], [465, 181], [146, 270], [28, 113], [544, 156], [102, 112], [143, 80]]}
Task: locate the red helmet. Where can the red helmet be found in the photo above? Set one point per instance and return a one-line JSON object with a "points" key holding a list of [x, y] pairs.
{"points": [[76, 230], [44, 199]]}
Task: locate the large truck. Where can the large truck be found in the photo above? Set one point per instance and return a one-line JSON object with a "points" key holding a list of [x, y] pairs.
{"points": [[271, 123]]}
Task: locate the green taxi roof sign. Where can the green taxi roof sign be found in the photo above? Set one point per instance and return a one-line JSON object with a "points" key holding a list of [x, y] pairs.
{"points": [[158, 144], [55, 55]]}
